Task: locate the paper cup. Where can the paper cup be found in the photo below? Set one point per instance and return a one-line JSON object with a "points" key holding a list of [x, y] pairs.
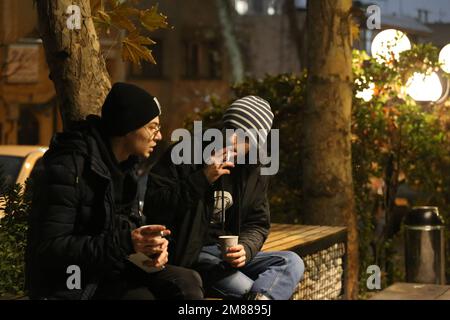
{"points": [[226, 242]]}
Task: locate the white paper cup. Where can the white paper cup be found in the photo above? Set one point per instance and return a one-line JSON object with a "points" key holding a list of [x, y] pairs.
{"points": [[226, 242]]}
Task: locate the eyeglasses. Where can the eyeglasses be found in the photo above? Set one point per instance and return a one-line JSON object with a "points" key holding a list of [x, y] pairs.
{"points": [[154, 128]]}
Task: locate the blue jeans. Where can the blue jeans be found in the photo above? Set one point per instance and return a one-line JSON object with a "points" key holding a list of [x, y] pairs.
{"points": [[274, 274]]}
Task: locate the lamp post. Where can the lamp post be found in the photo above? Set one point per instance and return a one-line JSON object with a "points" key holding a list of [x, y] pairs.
{"points": [[431, 88]]}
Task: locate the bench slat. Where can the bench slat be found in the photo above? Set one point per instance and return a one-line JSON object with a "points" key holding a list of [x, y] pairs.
{"points": [[302, 237], [298, 237], [276, 235]]}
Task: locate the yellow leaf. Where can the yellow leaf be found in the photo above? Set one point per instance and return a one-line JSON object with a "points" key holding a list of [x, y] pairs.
{"points": [[102, 19], [152, 20], [134, 49], [121, 21], [113, 3], [125, 10], [355, 30], [96, 5]]}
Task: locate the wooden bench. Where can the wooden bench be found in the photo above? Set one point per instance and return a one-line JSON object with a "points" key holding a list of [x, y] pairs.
{"points": [[323, 250]]}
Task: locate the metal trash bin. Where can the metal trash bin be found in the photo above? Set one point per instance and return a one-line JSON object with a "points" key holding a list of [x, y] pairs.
{"points": [[425, 246]]}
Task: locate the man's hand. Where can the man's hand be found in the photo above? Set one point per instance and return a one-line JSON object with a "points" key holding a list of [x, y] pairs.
{"points": [[219, 165], [236, 256], [159, 261], [149, 240]]}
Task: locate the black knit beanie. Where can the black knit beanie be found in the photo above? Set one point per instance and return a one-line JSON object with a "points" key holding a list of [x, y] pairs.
{"points": [[127, 108]]}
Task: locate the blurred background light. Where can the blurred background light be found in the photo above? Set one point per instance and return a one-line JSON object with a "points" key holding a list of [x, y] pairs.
{"points": [[388, 45], [425, 88], [444, 58]]}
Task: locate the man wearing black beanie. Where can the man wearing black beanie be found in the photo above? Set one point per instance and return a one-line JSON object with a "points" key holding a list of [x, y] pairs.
{"points": [[87, 238]]}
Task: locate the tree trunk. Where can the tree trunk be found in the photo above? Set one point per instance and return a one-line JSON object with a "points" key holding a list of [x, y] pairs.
{"points": [[77, 67], [327, 162], [230, 41]]}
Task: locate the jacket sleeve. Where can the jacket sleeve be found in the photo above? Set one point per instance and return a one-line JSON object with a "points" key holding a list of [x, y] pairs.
{"points": [[59, 245], [173, 188], [255, 228]]}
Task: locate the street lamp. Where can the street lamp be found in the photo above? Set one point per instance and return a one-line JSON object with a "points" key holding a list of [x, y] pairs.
{"points": [[425, 88], [444, 58], [388, 44], [430, 88], [241, 6]]}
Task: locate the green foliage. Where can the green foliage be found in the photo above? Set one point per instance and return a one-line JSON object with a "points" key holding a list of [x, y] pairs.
{"points": [[16, 203], [285, 93], [394, 141], [393, 131]]}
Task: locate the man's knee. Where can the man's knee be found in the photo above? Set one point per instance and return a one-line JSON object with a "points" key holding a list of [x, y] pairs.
{"points": [[295, 264], [190, 285], [234, 285]]}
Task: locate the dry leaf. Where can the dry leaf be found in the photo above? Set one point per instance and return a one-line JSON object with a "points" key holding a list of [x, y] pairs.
{"points": [[152, 20], [121, 21], [135, 49], [102, 19], [96, 5]]}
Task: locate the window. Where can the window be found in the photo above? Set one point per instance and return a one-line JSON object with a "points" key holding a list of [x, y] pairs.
{"points": [[301, 4], [191, 52], [148, 70], [202, 60], [258, 6], [28, 133]]}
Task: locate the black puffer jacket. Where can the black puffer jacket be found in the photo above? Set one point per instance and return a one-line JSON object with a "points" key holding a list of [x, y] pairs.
{"points": [[180, 197], [74, 220]]}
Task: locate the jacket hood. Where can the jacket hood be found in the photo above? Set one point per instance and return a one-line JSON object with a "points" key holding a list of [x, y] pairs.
{"points": [[88, 139], [83, 139]]}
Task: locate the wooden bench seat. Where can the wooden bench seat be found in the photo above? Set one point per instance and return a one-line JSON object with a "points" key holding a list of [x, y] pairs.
{"points": [[323, 249]]}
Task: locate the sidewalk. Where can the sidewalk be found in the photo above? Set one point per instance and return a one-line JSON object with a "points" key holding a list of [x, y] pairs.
{"points": [[414, 291]]}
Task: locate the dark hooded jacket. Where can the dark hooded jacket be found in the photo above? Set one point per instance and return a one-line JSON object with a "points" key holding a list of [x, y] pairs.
{"points": [[77, 218], [180, 197]]}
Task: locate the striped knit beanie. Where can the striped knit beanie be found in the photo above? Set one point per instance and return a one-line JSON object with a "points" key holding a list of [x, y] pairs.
{"points": [[247, 113]]}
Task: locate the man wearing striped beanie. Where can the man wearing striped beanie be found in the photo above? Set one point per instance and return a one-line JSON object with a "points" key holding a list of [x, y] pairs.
{"points": [[202, 202], [251, 114]]}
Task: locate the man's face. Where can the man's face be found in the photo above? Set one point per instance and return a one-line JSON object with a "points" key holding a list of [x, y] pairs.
{"points": [[142, 141], [238, 146]]}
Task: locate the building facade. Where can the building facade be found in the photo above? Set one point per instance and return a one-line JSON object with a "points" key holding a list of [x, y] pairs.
{"points": [[28, 112]]}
